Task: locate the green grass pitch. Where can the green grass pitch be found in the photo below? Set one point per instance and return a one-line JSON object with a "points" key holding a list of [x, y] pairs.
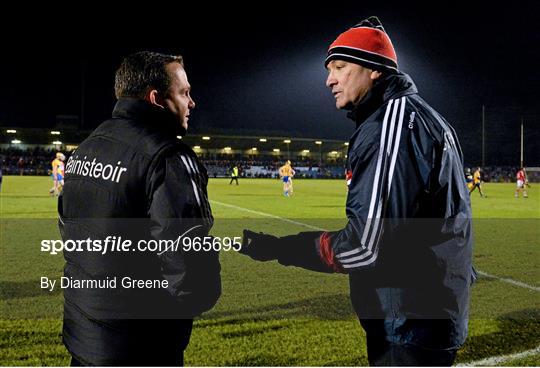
{"points": [[269, 314]]}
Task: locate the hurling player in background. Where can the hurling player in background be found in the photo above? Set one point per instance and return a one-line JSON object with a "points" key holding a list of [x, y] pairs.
{"points": [[521, 183], [477, 182], [57, 174], [469, 179], [286, 173]]}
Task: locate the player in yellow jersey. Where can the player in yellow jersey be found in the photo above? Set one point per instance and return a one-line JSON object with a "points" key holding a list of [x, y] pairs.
{"points": [[57, 174], [477, 182], [286, 173]]}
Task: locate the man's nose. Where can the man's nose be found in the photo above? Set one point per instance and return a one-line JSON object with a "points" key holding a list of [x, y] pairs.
{"points": [[191, 104], [331, 81]]}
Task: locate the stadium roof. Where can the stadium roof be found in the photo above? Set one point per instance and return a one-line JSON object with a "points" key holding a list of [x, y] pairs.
{"points": [[262, 143]]}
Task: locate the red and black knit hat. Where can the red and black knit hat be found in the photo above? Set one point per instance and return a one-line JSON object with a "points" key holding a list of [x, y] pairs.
{"points": [[366, 44]]}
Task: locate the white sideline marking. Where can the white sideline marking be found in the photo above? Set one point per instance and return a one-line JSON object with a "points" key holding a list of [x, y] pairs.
{"points": [[268, 215], [490, 362], [510, 281], [502, 279]]}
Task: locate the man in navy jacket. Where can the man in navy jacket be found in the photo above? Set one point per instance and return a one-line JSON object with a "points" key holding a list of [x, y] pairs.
{"points": [[407, 246]]}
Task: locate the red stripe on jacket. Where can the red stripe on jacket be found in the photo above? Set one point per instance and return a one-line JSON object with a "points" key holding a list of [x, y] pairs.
{"points": [[327, 253]]}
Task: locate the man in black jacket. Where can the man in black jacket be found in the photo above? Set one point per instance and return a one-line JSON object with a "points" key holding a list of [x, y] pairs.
{"points": [[132, 179], [407, 246]]}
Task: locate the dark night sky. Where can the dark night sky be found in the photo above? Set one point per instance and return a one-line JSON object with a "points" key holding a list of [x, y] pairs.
{"points": [[260, 66]]}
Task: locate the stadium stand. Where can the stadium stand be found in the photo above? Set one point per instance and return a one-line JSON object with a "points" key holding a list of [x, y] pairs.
{"points": [[37, 161], [29, 151]]}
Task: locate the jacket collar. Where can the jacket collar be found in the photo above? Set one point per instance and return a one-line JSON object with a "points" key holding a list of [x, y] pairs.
{"points": [[142, 112], [390, 86]]}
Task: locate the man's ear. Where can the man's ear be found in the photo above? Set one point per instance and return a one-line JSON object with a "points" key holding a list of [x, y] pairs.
{"points": [[154, 97], [375, 74]]}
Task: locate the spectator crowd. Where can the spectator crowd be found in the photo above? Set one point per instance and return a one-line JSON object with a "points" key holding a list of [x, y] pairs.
{"points": [[37, 161]]}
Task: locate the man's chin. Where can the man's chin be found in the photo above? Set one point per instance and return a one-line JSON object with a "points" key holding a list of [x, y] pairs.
{"points": [[182, 129], [343, 106]]}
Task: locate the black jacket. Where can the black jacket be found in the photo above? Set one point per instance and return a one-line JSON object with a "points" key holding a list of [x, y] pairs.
{"points": [[407, 246], [134, 179]]}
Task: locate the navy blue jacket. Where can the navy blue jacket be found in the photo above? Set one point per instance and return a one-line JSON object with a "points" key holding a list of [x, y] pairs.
{"points": [[407, 245]]}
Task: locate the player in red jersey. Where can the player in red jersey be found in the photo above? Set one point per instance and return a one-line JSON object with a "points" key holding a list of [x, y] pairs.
{"points": [[522, 182]]}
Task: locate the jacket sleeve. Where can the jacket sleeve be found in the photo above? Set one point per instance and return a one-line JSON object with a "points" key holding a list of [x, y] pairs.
{"points": [[356, 243], [381, 165], [374, 163], [385, 188], [178, 206]]}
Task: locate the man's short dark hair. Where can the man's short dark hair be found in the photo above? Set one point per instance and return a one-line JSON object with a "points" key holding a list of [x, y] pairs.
{"points": [[143, 71]]}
